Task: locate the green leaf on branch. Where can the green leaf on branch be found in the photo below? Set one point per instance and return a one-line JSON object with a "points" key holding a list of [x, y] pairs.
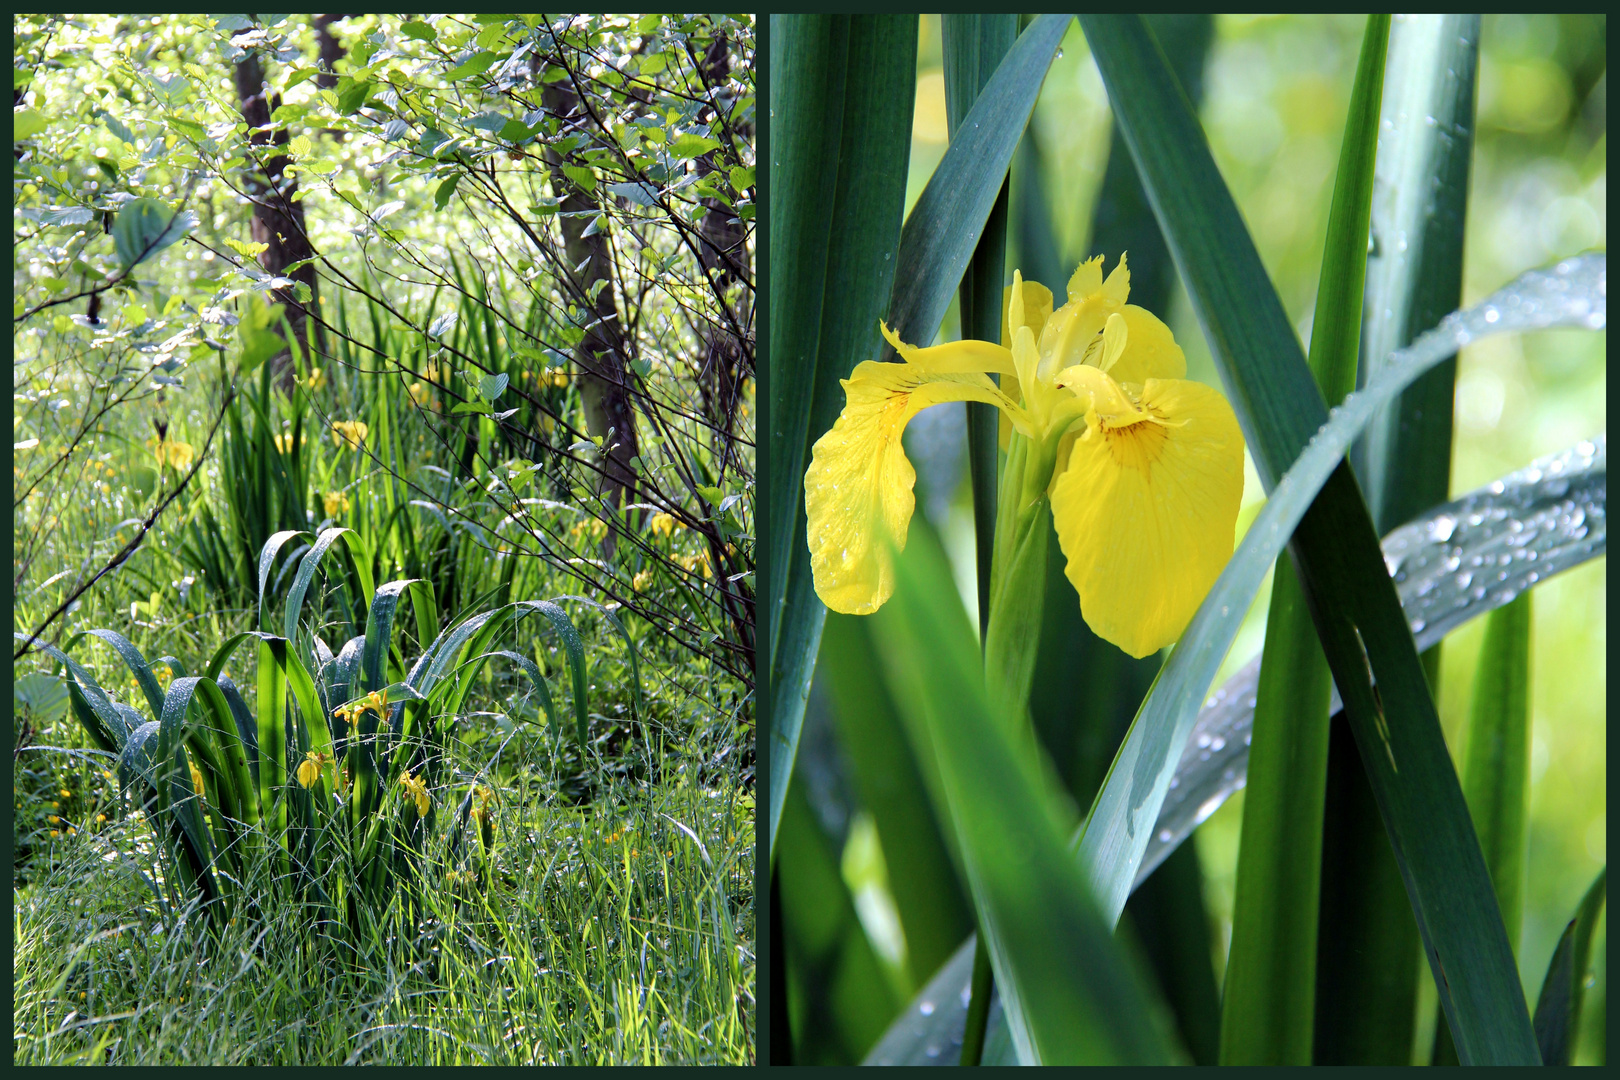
{"points": [[582, 177], [476, 64], [147, 226], [441, 197], [491, 387], [26, 124], [351, 94], [691, 146]]}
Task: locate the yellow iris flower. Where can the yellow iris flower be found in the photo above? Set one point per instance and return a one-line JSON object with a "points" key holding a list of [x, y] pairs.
{"points": [[309, 770], [416, 787], [1144, 469], [350, 433], [172, 452]]}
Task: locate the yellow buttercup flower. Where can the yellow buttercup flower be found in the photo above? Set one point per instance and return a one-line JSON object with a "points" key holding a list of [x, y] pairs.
{"points": [[350, 433], [419, 393], [316, 380], [642, 581], [1144, 468], [335, 503], [662, 524]]}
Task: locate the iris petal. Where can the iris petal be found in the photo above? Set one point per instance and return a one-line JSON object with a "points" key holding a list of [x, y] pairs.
{"points": [[1145, 514], [858, 486], [956, 357], [1152, 352]]}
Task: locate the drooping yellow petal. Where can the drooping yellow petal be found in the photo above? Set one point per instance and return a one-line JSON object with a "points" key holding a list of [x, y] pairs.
{"points": [[858, 486], [954, 357], [1145, 514]]}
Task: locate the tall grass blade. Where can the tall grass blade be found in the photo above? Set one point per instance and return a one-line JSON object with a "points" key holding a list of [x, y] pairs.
{"points": [[973, 48], [841, 91], [1414, 266], [1269, 999], [943, 229], [1414, 277], [934, 913], [1496, 772], [825, 948], [137, 665], [1070, 993], [574, 648], [1563, 992]]}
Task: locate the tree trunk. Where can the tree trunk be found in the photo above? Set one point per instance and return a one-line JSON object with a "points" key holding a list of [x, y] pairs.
{"points": [[600, 354], [725, 366], [277, 220]]}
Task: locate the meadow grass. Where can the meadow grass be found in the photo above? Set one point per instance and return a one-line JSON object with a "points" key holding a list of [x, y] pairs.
{"points": [[618, 932]]}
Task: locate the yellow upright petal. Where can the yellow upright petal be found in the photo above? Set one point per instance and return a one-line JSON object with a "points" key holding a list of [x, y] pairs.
{"points": [[1037, 309], [1087, 279], [859, 482], [1146, 514], [1118, 285]]}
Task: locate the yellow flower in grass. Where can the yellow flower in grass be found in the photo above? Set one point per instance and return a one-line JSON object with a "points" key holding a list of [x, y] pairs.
{"points": [[419, 394], [416, 788], [284, 442], [642, 581], [316, 379], [335, 503], [196, 779], [350, 433], [1144, 469], [309, 770], [172, 452], [662, 524]]}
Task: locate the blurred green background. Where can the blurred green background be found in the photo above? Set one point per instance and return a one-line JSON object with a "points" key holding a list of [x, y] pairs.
{"points": [[1275, 94]]}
